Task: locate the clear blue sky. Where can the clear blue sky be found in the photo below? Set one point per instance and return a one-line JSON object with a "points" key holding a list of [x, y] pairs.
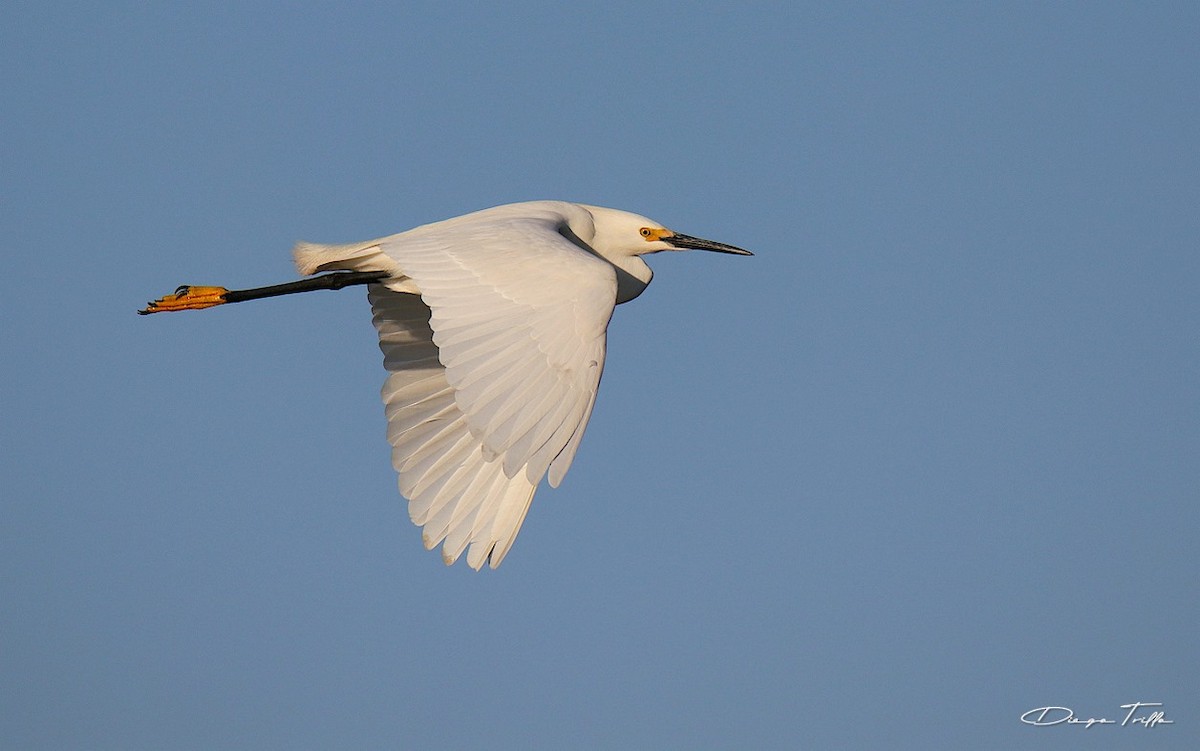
{"points": [[931, 459]]}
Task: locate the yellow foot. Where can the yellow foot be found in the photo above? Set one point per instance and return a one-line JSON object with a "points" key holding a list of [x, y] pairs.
{"points": [[187, 298]]}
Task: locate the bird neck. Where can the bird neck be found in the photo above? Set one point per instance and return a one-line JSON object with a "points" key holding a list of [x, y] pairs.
{"points": [[633, 276]]}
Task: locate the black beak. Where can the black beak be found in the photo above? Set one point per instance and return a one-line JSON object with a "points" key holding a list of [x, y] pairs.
{"points": [[698, 243]]}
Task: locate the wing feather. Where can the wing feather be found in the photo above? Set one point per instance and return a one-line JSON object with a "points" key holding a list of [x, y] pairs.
{"points": [[493, 368], [515, 307]]}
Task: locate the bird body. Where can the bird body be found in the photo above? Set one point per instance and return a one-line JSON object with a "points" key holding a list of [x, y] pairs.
{"points": [[493, 329], [495, 230]]}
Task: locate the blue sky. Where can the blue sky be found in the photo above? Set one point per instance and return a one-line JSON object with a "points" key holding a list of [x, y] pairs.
{"points": [[926, 462]]}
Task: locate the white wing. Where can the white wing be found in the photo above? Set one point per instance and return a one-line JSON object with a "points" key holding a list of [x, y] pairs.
{"points": [[493, 369]]}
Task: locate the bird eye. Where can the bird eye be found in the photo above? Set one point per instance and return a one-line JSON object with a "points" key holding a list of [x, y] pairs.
{"points": [[647, 233]]}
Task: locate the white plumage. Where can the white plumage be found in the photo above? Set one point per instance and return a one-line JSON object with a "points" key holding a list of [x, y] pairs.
{"points": [[493, 328]]}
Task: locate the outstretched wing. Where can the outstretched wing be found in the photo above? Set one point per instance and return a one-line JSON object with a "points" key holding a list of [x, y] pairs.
{"points": [[493, 370], [455, 494]]}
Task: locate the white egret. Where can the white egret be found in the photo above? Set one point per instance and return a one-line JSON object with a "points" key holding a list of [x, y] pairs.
{"points": [[493, 329]]}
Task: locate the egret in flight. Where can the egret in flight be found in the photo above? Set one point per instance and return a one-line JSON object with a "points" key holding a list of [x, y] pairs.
{"points": [[493, 329]]}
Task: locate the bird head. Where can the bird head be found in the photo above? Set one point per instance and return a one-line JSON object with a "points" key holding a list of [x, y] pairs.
{"points": [[620, 233]]}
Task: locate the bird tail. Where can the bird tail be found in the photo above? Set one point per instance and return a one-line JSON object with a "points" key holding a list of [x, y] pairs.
{"points": [[312, 258]]}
